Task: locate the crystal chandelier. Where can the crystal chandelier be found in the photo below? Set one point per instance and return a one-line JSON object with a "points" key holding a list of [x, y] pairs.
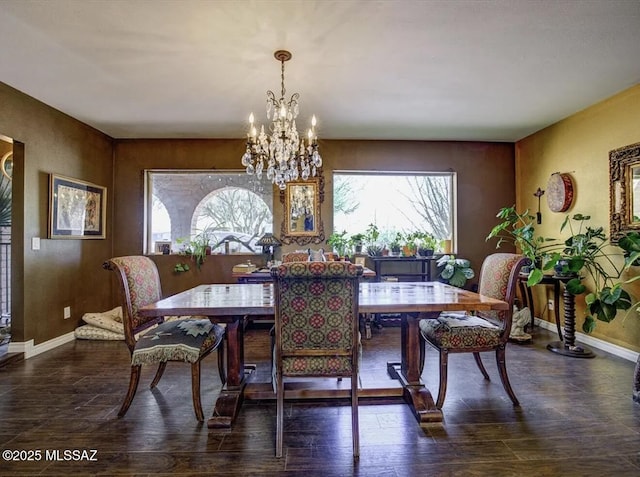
{"points": [[282, 151]]}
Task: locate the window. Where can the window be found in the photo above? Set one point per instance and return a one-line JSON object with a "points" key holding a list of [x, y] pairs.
{"points": [[232, 209], [404, 202]]}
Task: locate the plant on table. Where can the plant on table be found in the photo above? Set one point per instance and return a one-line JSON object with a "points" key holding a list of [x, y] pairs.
{"points": [[396, 244], [427, 244]]}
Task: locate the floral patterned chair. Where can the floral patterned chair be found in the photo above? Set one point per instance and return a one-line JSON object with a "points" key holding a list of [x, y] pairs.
{"points": [[187, 340], [457, 332], [304, 256], [316, 316]]}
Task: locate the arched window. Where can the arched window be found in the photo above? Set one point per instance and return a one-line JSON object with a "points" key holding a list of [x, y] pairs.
{"points": [[235, 215], [183, 205]]}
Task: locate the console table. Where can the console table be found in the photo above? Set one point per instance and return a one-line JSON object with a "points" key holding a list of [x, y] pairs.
{"points": [[425, 267]]}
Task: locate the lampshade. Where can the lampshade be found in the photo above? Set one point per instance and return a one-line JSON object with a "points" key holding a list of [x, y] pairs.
{"points": [[268, 240]]}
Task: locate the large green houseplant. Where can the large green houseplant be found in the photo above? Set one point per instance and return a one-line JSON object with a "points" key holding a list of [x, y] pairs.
{"points": [[585, 255], [588, 254], [518, 228]]}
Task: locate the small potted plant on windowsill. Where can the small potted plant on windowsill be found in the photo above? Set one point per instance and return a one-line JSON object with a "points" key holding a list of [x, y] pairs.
{"points": [[339, 242], [374, 249], [356, 241], [427, 244], [395, 246]]}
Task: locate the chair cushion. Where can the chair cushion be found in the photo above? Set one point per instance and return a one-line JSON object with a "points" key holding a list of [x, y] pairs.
{"points": [[458, 330], [182, 340]]}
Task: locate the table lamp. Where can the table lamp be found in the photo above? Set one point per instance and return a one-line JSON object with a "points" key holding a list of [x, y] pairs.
{"points": [[268, 243]]}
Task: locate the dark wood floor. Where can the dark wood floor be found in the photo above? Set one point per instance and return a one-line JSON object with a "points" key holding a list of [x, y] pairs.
{"points": [[577, 418]]}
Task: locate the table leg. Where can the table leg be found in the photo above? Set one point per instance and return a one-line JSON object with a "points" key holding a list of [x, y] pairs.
{"points": [[568, 347], [230, 398], [407, 371]]}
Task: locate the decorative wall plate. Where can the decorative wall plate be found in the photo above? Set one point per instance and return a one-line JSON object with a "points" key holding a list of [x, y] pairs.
{"points": [[559, 192]]}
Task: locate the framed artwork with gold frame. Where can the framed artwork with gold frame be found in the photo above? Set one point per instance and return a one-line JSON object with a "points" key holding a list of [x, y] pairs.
{"points": [[302, 223]]}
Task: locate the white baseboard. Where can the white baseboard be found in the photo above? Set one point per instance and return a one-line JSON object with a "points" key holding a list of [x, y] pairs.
{"points": [[29, 350], [614, 349]]}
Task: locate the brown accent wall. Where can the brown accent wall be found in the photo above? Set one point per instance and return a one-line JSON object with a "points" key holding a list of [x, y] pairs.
{"points": [[68, 272], [63, 272], [485, 184]]}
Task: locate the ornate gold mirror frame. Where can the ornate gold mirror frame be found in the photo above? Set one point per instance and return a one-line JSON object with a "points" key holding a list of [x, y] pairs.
{"points": [[624, 190], [301, 223]]}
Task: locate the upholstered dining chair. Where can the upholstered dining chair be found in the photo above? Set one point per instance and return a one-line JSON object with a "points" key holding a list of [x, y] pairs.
{"points": [[187, 340], [457, 332], [316, 328], [304, 256]]}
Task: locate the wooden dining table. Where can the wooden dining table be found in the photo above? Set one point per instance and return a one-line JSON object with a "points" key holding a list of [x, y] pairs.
{"points": [[236, 303]]}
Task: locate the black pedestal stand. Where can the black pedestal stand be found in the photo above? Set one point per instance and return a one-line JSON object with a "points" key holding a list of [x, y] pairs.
{"points": [[568, 346]]}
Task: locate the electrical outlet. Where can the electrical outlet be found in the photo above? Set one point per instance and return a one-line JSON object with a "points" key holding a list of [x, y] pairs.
{"points": [[550, 303], [67, 312]]}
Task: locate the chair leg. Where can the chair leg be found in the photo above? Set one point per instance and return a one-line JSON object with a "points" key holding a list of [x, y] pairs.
{"points": [[221, 369], [131, 392], [156, 379], [481, 366], [502, 368], [422, 355], [442, 390], [279, 413], [355, 428], [195, 390]]}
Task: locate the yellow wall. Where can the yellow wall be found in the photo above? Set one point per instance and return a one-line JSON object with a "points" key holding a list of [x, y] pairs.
{"points": [[580, 145]]}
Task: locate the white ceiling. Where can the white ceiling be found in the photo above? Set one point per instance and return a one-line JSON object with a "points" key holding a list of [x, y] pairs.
{"points": [[428, 70]]}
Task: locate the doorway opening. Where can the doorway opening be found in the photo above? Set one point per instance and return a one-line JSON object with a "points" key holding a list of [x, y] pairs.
{"points": [[6, 174]]}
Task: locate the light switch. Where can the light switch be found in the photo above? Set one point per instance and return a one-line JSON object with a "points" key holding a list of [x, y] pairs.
{"points": [[35, 243]]}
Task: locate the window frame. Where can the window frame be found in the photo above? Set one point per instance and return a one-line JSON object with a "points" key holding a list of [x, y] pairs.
{"points": [[448, 173], [148, 243]]}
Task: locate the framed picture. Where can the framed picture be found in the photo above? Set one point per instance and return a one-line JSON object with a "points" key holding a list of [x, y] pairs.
{"points": [[77, 209], [302, 223], [163, 247], [360, 261]]}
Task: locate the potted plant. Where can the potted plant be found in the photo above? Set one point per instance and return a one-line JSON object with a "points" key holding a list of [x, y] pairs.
{"points": [[339, 243], [409, 247], [455, 271], [395, 246], [197, 248], [372, 233], [518, 228], [427, 244], [586, 254], [356, 241]]}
